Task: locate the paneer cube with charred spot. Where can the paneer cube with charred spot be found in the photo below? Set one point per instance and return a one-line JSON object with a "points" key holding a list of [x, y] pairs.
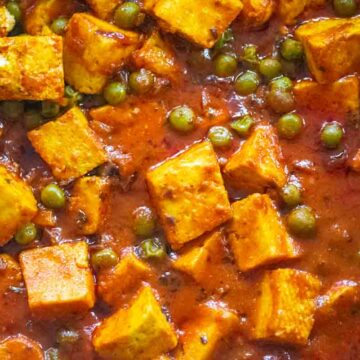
{"points": [[17, 204], [285, 307], [257, 165], [7, 21], [256, 13], [257, 235], [200, 21], [58, 280], [87, 204], [290, 10], [332, 47], [103, 8], [197, 260], [68, 145], [127, 275], [203, 332], [31, 68], [140, 331], [189, 194], [20, 347], [104, 49], [10, 273]]}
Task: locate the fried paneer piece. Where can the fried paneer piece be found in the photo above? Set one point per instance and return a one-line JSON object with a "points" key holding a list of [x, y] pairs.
{"points": [[127, 274], [157, 56], [199, 21], [7, 21], [257, 234], [87, 205], [17, 204], [20, 347], [189, 194], [257, 165], [200, 336], [289, 10], [257, 12], [103, 8], [340, 96], [58, 279], [68, 145], [332, 47], [93, 50], [31, 68], [10, 273], [140, 331], [286, 305]]}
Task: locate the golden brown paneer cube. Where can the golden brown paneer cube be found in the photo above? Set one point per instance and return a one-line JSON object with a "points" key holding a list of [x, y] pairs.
{"points": [[332, 47], [127, 275], [140, 331], [104, 49], [45, 218], [189, 194], [10, 273], [290, 10], [157, 56], [20, 347], [256, 13], [68, 145], [202, 334], [197, 260], [340, 96], [31, 68], [7, 21], [286, 305], [257, 165], [199, 21], [58, 279], [87, 203], [257, 235], [17, 204], [103, 8]]}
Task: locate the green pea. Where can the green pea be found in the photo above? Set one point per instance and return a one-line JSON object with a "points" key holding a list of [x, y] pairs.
{"points": [[49, 109], [59, 25], [243, 125], [144, 221], [15, 10], [220, 136], [126, 15], [302, 221], [66, 337], [270, 68], [281, 83], [72, 95], [291, 195], [250, 56], [345, 8], [247, 83], [331, 135], [289, 125], [32, 119], [115, 93], [141, 82], [182, 119], [225, 65], [52, 354], [26, 234], [12, 109], [281, 101], [52, 196], [291, 50], [105, 258], [152, 248]]}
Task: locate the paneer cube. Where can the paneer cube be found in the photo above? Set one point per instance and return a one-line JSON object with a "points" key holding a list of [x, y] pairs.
{"points": [[10, 273], [93, 50], [204, 331], [341, 96], [256, 13], [290, 10], [58, 279], [45, 218], [189, 194], [103, 8], [87, 204], [286, 305], [257, 165], [31, 68], [257, 235], [20, 347], [332, 47], [200, 21], [197, 260], [157, 56], [68, 145], [17, 204], [127, 275], [7, 21], [139, 332]]}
